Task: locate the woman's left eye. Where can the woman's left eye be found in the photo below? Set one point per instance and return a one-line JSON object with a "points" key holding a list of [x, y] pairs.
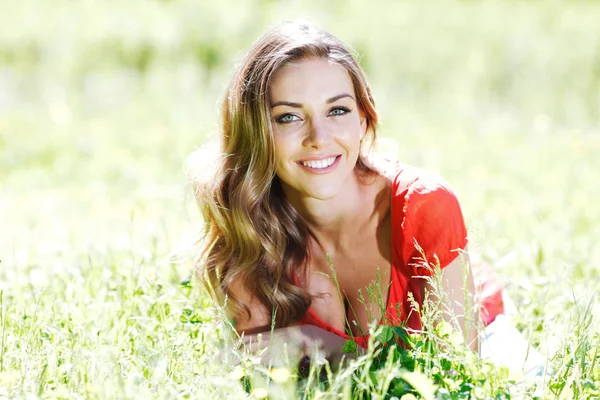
{"points": [[339, 111]]}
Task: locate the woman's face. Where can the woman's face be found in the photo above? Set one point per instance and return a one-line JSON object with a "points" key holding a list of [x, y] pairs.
{"points": [[317, 127]]}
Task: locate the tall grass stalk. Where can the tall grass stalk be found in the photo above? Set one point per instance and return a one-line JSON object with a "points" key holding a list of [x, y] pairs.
{"points": [[100, 103], [3, 324]]}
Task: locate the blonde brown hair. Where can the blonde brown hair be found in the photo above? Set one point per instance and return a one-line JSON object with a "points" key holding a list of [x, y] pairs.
{"points": [[252, 233]]}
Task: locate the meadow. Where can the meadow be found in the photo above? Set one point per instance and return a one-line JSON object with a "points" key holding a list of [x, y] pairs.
{"points": [[101, 103]]}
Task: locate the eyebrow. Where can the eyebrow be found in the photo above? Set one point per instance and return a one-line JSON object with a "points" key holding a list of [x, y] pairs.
{"points": [[299, 105]]}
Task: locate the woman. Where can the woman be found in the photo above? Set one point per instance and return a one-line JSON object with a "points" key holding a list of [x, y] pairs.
{"points": [[295, 190]]}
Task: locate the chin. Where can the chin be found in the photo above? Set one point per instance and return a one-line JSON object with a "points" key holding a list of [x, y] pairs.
{"points": [[324, 192]]}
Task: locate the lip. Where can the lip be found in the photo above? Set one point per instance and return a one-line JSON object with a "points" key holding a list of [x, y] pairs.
{"points": [[320, 171]]}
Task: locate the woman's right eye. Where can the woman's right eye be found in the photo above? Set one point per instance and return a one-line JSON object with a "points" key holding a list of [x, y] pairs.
{"points": [[286, 118]]}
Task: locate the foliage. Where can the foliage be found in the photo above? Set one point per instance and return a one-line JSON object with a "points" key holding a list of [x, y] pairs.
{"points": [[101, 103]]}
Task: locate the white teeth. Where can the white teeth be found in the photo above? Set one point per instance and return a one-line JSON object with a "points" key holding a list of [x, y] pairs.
{"points": [[318, 164]]}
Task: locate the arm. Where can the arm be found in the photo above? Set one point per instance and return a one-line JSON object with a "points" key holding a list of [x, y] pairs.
{"points": [[433, 227], [460, 295], [300, 340], [296, 342], [259, 319]]}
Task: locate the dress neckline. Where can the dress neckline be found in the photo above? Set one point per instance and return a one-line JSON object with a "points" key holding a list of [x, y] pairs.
{"points": [[392, 272]]}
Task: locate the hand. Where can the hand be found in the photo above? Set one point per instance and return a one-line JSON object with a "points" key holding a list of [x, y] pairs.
{"points": [[290, 344]]}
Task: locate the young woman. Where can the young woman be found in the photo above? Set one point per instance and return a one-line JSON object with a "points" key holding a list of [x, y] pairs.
{"points": [[296, 189]]}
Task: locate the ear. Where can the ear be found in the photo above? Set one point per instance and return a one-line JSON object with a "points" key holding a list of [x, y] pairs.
{"points": [[363, 123]]}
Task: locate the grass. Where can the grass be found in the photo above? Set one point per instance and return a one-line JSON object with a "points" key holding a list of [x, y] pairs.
{"points": [[100, 104]]}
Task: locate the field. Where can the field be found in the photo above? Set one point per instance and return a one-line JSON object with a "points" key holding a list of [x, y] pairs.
{"points": [[102, 102]]}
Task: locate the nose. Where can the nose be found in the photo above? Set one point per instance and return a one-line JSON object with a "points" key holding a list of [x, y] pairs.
{"points": [[318, 133]]}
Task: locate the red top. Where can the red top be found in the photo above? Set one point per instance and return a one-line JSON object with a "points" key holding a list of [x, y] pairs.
{"points": [[424, 210]]}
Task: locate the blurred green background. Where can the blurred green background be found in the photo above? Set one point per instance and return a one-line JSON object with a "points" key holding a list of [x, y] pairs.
{"points": [[101, 103]]}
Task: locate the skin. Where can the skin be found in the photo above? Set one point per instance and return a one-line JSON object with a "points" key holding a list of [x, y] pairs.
{"points": [[452, 278], [316, 116]]}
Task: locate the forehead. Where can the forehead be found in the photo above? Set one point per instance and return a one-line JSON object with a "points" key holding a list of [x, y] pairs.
{"points": [[308, 80]]}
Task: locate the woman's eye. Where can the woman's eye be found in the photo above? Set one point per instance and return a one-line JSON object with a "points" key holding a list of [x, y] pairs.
{"points": [[339, 111], [286, 118]]}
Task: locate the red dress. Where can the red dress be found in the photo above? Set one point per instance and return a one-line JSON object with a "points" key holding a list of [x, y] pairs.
{"points": [[424, 210]]}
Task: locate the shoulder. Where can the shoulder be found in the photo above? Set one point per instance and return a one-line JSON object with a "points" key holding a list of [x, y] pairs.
{"points": [[412, 184], [417, 195], [428, 216]]}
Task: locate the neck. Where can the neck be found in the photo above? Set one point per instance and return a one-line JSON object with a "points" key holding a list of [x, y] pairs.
{"points": [[333, 222]]}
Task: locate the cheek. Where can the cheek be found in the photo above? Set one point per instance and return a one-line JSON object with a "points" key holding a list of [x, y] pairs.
{"points": [[350, 133], [287, 144], [282, 154], [350, 126], [280, 149]]}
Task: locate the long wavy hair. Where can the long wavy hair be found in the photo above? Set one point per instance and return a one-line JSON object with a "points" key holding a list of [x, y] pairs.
{"points": [[252, 234]]}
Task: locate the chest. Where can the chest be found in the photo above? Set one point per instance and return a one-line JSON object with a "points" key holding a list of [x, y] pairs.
{"points": [[354, 286]]}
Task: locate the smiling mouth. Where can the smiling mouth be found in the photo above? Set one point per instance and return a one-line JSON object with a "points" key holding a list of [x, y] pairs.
{"points": [[323, 166], [319, 164]]}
